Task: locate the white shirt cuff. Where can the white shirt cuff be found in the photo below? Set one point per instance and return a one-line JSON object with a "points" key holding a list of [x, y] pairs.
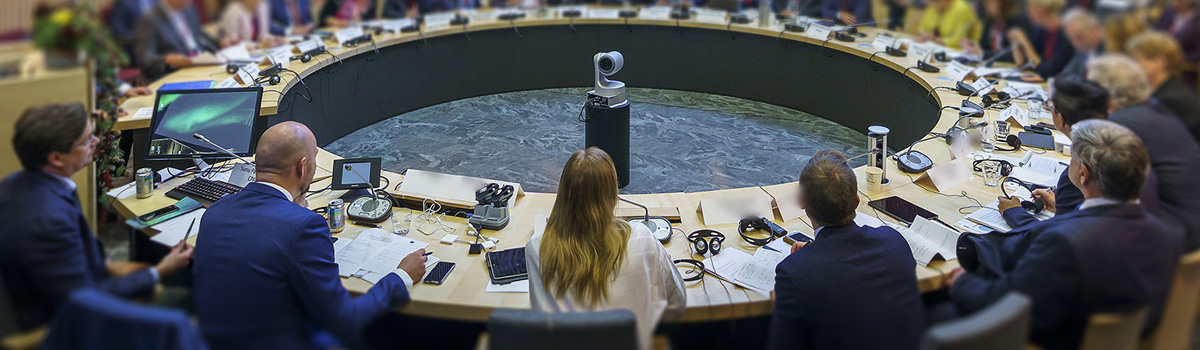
{"points": [[125, 87], [408, 282], [154, 272]]}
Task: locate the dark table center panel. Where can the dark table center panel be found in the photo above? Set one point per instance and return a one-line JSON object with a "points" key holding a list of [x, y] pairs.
{"points": [[841, 87]]}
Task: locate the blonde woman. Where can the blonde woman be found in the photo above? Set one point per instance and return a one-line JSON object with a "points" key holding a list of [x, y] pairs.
{"points": [[589, 260], [1161, 59]]}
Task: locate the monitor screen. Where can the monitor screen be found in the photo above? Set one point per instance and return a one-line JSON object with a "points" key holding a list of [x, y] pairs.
{"points": [[226, 117], [356, 173]]}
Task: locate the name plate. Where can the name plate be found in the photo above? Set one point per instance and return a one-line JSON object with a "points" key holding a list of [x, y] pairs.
{"points": [[247, 73], [956, 70], [229, 82], [308, 46], [921, 51], [656, 12], [710, 16], [281, 55], [438, 20], [818, 31], [883, 41], [982, 86], [604, 13], [395, 26], [347, 34]]}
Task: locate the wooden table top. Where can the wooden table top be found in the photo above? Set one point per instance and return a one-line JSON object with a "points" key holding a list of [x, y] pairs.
{"points": [[462, 296]]}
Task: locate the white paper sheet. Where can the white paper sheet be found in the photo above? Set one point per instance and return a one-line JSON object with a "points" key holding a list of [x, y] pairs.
{"points": [[352, 257], [521, 286], [170, 232], [759, 272], [389, 257]]}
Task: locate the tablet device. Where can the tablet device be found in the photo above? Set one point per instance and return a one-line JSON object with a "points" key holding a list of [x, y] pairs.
{"points": [[1036, 140], [900, 209]]}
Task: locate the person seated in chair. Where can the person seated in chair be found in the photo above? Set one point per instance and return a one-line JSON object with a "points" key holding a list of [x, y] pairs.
{"points": [[49, 249], [587, 259], [853, 287], [1109, 255]]}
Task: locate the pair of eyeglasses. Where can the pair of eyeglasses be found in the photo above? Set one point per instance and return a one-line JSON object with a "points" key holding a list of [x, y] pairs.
{"points": [[91, 141]]}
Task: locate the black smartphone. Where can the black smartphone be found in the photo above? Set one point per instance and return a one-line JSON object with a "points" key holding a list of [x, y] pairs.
{"points": [[797, 237], [900, 209], [439, 272], [160, 212]]}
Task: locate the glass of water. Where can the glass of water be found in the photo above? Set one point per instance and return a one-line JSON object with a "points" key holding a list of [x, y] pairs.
{"points": [[987, 141], [991, 174]]}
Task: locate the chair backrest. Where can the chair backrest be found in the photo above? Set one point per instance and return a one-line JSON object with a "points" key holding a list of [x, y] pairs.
{"points": [[1004, 325], [1179, 313], [92, 319], [525, 329], [1114, 331], [8, 316]]}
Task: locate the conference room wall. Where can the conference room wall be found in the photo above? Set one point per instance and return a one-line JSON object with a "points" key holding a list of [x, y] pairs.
{"points": [[842, 87]]}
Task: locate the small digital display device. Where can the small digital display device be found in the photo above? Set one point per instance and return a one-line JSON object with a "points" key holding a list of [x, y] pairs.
{"points": [[357, 173]]}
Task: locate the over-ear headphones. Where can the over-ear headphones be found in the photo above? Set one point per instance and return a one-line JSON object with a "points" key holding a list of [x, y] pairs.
{"points": [[1012, 141], [705, 241], [751, 223], [305, 57], [1036, 205], [231, 68], [699, 266], [1005, 166]]}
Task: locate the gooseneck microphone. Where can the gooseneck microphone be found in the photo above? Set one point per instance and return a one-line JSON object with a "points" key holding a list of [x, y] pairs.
{"points": [[363, 178], [646, 219], [200, 137]]}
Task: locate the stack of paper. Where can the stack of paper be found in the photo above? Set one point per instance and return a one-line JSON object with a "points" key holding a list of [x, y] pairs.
{"points": [[756, 273], [929, 240], [375, 251], [990, 216], [172, 231]]}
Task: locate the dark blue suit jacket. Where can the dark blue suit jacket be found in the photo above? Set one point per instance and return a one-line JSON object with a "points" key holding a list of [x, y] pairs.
{"points": [[124, 16], [861, 9], [852, 288], [48, 251], [1053, 62], [266, 279], [1067, 197], [281, 16], [433, 6], [1111, 258], [1175, 161]]}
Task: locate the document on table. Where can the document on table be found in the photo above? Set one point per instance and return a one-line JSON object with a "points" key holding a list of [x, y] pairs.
{"points": [[352, 257], [521, 286], [389, 257], [172, 231], [990, 216], [929, 240], [862, 219], [374, 277], [758, 274]]}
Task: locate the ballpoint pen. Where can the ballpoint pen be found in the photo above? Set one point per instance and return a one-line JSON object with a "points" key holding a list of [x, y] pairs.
{"points": [[189, 232]]}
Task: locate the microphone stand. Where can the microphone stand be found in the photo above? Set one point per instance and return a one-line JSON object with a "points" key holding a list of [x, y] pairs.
{"points": [[200, 137]]}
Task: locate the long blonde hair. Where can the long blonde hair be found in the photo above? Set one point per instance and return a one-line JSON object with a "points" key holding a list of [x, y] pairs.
{"points": [[584, 241]]}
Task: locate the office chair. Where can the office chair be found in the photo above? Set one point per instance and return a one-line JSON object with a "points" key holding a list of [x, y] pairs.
{"points": [[1004, 325], [525, 329], [92, 319], [10, 336], [1179, 313], [1114, 331]]}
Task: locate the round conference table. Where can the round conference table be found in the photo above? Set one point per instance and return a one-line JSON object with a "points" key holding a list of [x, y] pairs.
{"points": [[846, 82]]}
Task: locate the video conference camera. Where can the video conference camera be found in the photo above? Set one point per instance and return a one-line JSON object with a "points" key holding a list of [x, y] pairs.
{"points": [[608, 92]]}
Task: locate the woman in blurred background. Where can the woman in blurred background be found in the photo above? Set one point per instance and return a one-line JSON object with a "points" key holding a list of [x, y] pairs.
{"points": [[948, 22], [1046, 50], [999, 16], [1162, 61]]}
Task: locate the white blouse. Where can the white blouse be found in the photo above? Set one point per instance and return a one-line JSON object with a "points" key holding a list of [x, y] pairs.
{"points": [[647, 284]]}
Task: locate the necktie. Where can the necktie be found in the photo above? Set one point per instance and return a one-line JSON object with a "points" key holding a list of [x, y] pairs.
{"points": [[75, 196], [294, 12]]}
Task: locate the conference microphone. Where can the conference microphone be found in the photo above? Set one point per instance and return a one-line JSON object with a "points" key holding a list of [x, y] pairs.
{"points": [[659, 226], [200, 137], [795, 27], [995, 56]]}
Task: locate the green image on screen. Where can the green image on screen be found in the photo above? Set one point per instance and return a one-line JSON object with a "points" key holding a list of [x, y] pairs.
{"points": [[226, 118]]}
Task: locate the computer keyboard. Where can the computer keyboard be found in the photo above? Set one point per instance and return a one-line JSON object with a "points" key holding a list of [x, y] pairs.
{"points": [[203, 190], [507, 266]]}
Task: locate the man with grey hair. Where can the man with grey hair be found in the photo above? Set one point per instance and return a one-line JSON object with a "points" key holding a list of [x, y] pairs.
{"points": [[1086, 36], [1110, 255], [1174, 154]]}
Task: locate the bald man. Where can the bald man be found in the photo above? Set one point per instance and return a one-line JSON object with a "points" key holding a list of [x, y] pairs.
{"points": [[265, 275]]}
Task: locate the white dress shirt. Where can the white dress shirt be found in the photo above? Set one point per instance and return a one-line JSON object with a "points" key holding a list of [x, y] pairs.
{"points": [[408, 282], [647, 284], [179, 20], [1095, 202]]}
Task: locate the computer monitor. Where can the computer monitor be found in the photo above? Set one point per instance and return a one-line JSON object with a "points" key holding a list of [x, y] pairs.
{"points": [[357, 173], [227, 117]]}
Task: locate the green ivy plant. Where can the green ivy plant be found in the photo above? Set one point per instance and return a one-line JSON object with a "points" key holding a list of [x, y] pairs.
{"points": [[68, 31]]}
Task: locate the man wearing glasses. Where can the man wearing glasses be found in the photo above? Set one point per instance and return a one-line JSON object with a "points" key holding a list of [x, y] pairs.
{"points": [[49, 251]]}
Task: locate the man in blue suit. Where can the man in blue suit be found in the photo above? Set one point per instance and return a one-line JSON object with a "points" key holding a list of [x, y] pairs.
{"points": [[265, 274], [1109, 255], [853, 287], [293, 15], [1075, 99], [49, 250], [125, 15], [848, 12], [1174, 153]]}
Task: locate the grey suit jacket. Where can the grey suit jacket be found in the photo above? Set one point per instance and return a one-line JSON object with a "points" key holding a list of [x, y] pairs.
{"points": [[157, 37]]}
